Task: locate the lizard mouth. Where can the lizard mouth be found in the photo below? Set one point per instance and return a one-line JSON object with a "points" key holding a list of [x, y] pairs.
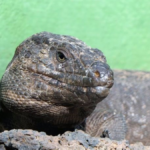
{"points": [[71, 89], [92, 80], [99, 91]]}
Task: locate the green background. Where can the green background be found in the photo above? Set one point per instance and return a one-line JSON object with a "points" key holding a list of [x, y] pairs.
{"points": [[120, 28]]}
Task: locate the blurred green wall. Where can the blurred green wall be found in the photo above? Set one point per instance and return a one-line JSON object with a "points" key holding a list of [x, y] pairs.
{"points": [[120, 28]]}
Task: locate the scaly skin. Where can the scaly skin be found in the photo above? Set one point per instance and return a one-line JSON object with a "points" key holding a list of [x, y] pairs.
{"points": [[42, 92], [130, 96], [53, 82]]}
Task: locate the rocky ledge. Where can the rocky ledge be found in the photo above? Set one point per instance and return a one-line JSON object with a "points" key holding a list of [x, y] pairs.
{"points": [[77, 140]]}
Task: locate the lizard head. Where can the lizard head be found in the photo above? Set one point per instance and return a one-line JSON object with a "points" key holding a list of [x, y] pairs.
{"points": [[56, 77]]}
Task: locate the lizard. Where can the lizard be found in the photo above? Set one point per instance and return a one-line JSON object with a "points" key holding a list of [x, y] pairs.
{"points": [[134, 84], [53, 83]]}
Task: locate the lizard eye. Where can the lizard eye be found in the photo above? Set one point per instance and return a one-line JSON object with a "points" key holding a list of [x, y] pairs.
{"points": [[60, 57]]}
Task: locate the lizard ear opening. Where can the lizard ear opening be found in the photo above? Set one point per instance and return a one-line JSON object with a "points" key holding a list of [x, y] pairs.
{"points": [[60, 57]]}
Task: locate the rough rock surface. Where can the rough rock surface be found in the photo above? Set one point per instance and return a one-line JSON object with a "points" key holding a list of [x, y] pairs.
{"points": [[77, 140]]}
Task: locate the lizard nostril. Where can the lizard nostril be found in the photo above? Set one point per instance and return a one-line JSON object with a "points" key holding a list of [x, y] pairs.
{"points": [[97, 74]]}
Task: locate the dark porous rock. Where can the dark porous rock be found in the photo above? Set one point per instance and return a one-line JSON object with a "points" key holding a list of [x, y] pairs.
{"points": [[77, 140]]}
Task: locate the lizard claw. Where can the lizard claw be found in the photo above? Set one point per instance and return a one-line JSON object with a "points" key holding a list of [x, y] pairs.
{"points": [[105, 134]]}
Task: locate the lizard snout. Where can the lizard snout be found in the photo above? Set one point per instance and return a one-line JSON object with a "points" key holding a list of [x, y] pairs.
{"points": [[101, 74]]}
